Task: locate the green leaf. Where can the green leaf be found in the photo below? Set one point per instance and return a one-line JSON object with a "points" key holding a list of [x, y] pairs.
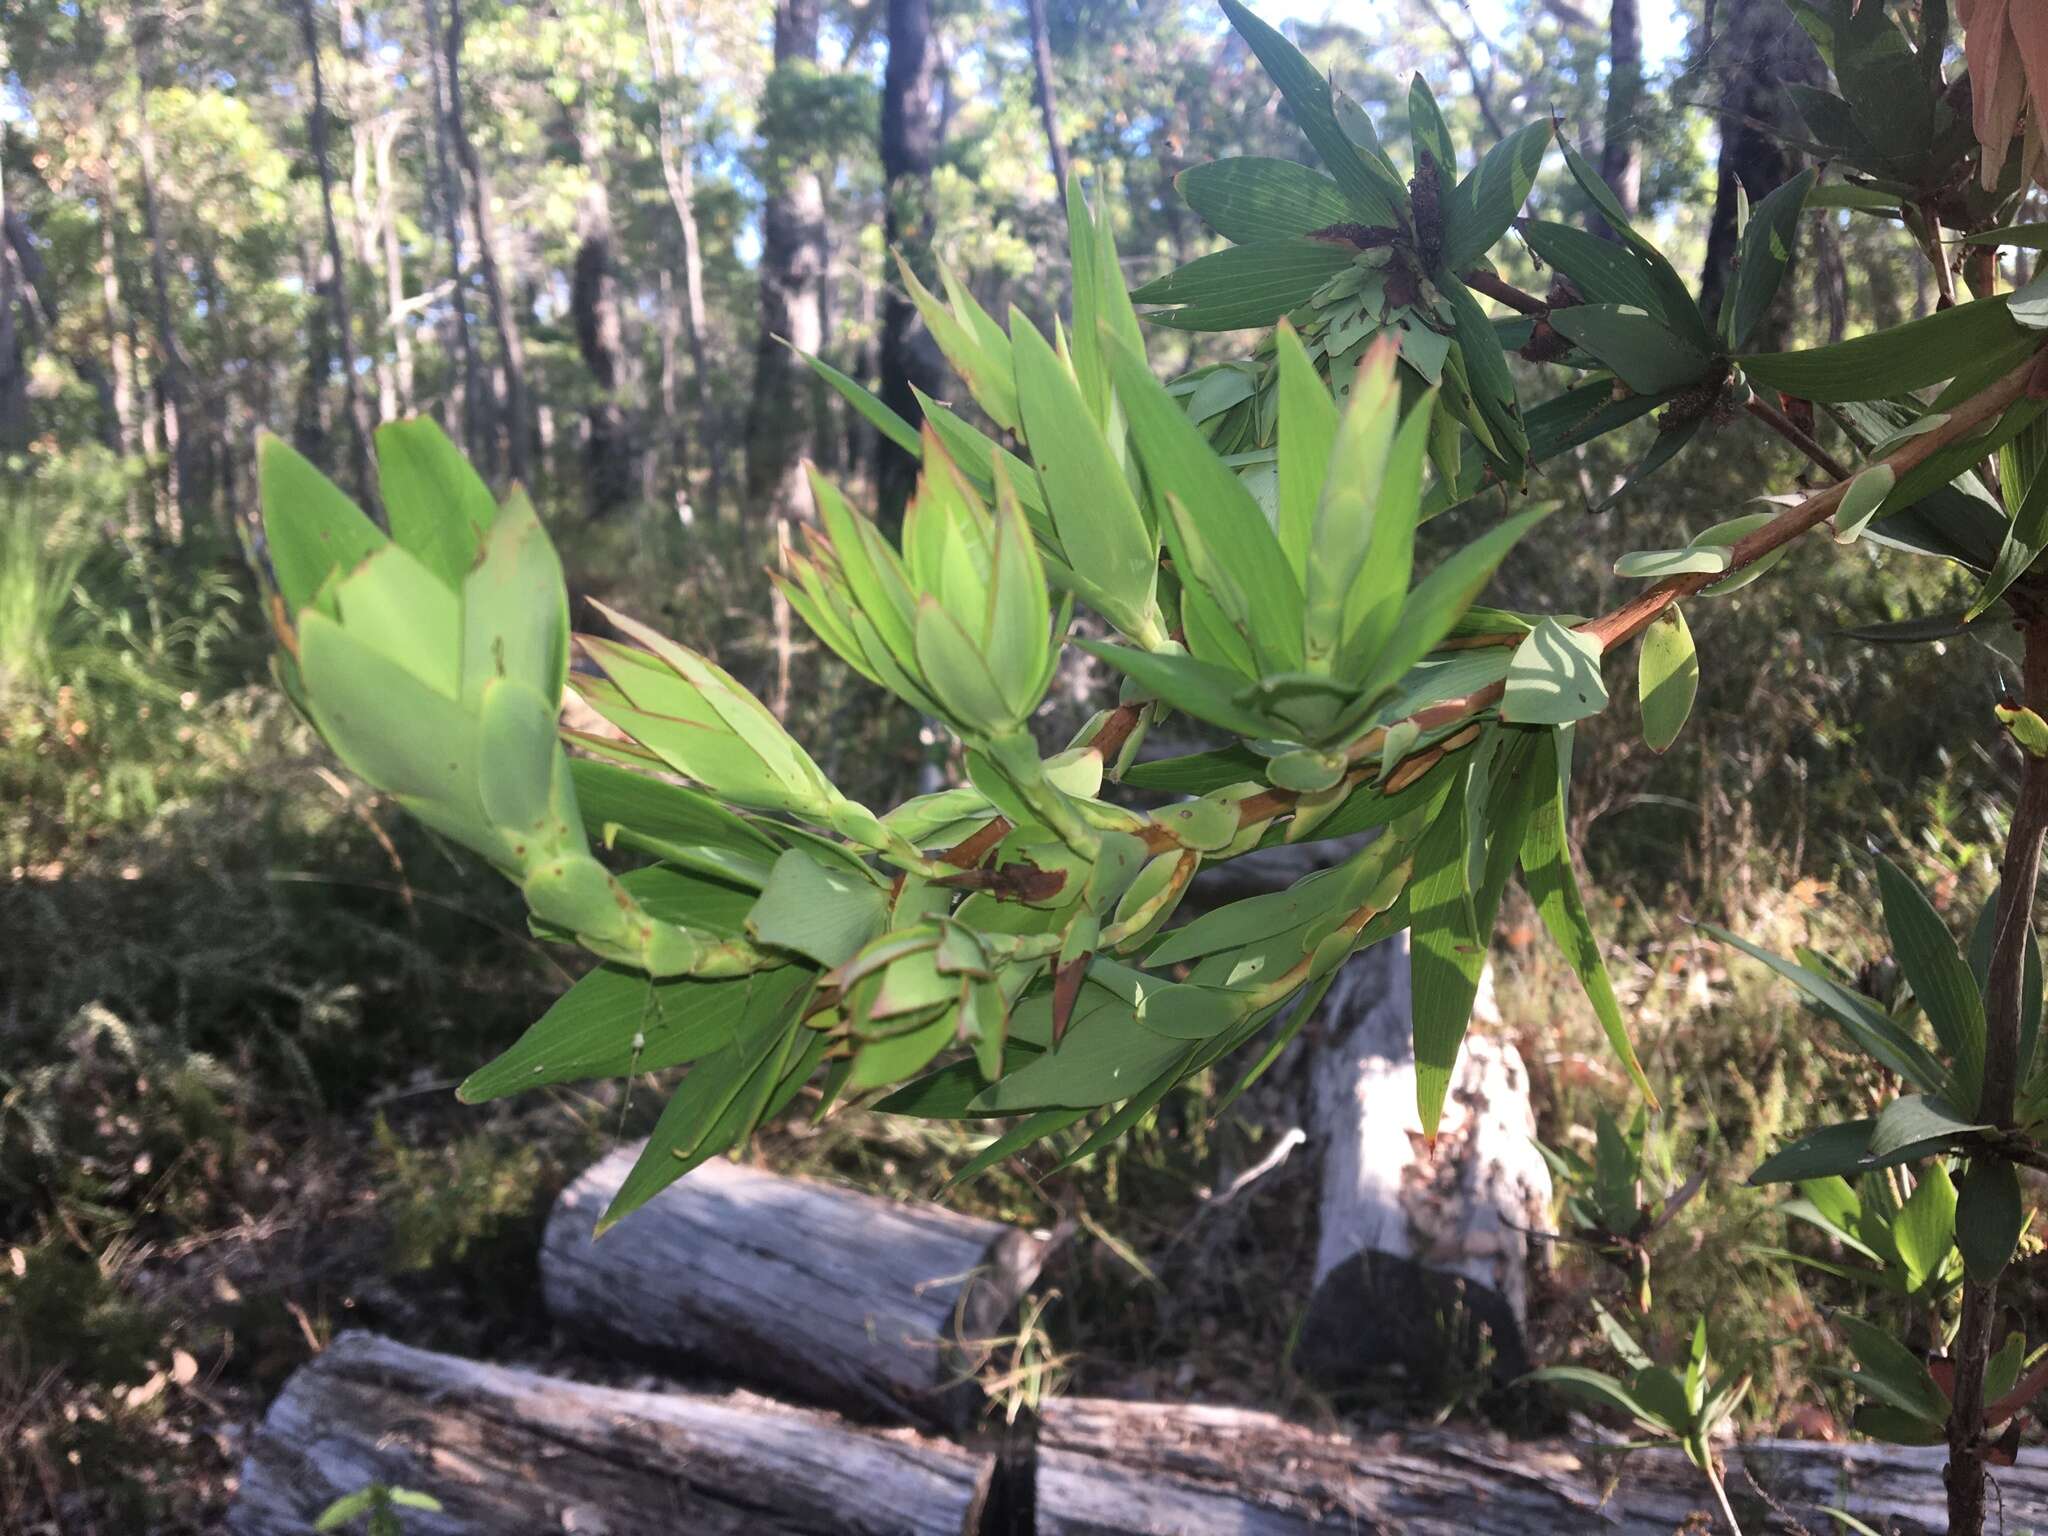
{"points": [[1889, 362], [1374, 193], [1597, 1387], [1244, 286], [612, 796], [1830, 1152], [718, 1102], [1432, 610], [348, 1507], [590, 1030], [1486, 368], [1252, 199], [1554, 678], [1241, 559], [1107, 1055], [1667, 678], [440, 509], [1989, 1217], [1113, 555], [398, 608], [1493, 194], [1636, 347], [829, 915], [872, 408], [1307, 432], [1924, 1231], [1197, 773], [1206, 692], [1659, 563], [1891, 1372], [1553, 885], [1859, 504], [1874, 1031], [1940, 977], [1764, 254], [1035, 1129], [310, 528], [1446, 953], [1918, 1123], [1603, 271], [1674, 303], [2025, 538]]}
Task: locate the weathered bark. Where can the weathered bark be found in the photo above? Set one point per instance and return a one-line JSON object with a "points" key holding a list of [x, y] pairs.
{"points": [[1765, 49], [910, 142], [1421, 1262], [779, 420], [511, 1453], [518, 411], [476, 411], [115, 318], [508, 1452], [612, 473], [831, 1295], [1046, 94], [334, 268], [1156, 1467], [679, 175], [1621, 153]]}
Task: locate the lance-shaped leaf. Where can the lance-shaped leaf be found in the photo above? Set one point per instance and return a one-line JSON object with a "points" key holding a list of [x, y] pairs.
{"points": [[1307, 429], [515, 608], [1890, 362], [1252, 198], [970, 340], [869, 404], [1243, 286], [1225, 544], [1554, 678], [1918, 1124], [1553, 885], [1106, 1054], [1486, 368], [1447, 953], [1761, 260], [440, 509], [825, 914], [1989, 1217], [1637, 348], [1347, 519], [311, 529], [1673, 303], [1102, 304], [1373, 191], [1112, 553], [1940, 977], [1861, 501], [1488, 199], [1603, 271]]}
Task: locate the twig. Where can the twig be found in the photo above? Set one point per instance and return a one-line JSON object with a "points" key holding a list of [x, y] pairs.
{"points": [[1797, 436], [1505, 292]]}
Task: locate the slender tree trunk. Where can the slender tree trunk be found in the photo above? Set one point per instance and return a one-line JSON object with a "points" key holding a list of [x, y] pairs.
{"points": [[1048, 98], [334, 269], [667, 469], [476, 408], [792, 281], [679, 174], [113, 311], [1621, 154], [613, 473], [364, 234], [185, 490], [385, 142], [2004, 1004], [310, 431], [511, 350], [910, 141], [1765, 49], [15, 423]]}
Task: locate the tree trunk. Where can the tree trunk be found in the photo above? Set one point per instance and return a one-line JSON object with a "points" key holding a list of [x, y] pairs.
{"points": [[830, 1295], [477, 408], [15, 424], [612, 472], [1621, 154], [309, 422], [186, 492], [334, 271], [1048, 97], [114, 315], [779, 419], [384, 141], [1765, 49], [679, 174], [518, 411], [511, 1453], [910, 142], [1422, 1262]]}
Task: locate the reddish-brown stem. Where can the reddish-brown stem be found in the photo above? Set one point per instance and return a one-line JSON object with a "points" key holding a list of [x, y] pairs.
{"points": [[1507, 293], [1797, 436]]}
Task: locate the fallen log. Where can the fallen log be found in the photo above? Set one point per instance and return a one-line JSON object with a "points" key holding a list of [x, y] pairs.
{"points": [[789, 1285], [1421, 1259], [510, 1453], [1120, 1469]]}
